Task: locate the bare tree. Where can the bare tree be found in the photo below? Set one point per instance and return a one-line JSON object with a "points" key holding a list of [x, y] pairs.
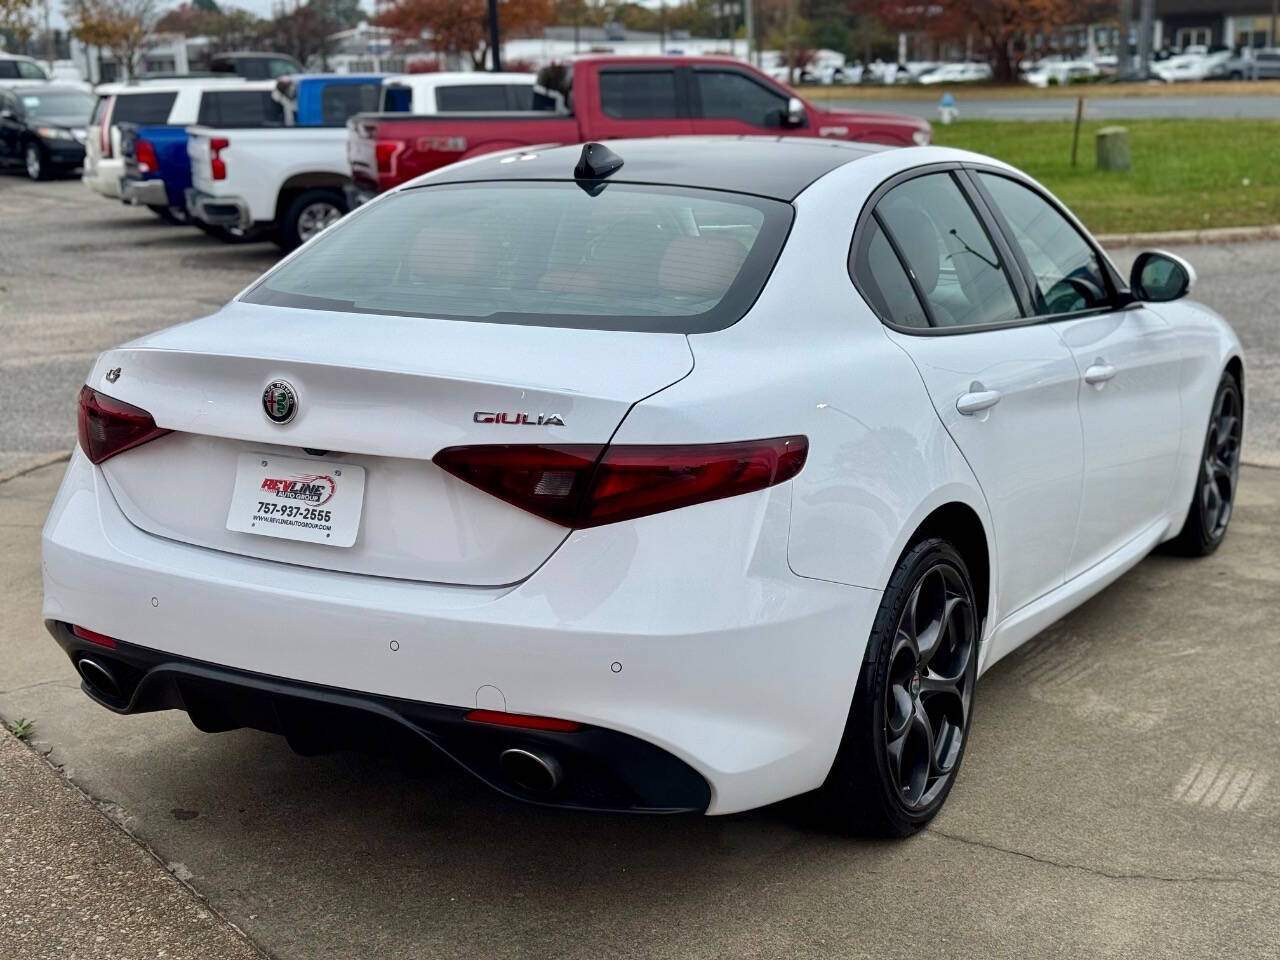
{"points": [[125, 27], [17, 18]]}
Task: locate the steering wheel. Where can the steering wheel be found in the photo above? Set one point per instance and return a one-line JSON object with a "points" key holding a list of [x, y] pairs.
{"points": [[1066, 295]]}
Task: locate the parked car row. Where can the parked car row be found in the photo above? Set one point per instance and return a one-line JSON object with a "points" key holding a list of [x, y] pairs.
{"points": [[283, 159]]}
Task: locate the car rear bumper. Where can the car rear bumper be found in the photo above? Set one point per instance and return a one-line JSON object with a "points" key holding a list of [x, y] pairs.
{"points": [[147, 193], [685, 630], [218, 211], [104, 178], [596, 769]]}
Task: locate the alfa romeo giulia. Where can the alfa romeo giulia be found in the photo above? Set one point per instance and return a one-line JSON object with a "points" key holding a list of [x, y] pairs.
{"points": [[672, 475]]}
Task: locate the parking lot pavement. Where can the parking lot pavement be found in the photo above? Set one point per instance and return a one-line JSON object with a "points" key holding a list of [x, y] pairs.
{"points": [[1043, 107], [1121, 796]]}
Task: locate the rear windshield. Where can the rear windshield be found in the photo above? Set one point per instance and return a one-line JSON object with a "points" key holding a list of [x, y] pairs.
{"points": [[630, 257], [142, 108]]}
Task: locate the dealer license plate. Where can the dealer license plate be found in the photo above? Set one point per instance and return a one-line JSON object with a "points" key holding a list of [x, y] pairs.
{"points": [[310, 500]]}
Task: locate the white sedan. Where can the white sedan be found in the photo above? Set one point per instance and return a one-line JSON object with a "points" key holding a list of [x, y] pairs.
{"points": [[671, 475]]}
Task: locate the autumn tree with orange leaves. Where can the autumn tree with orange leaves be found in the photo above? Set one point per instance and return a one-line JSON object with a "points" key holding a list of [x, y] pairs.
{"points": [[462, 26], [1003, 26]]}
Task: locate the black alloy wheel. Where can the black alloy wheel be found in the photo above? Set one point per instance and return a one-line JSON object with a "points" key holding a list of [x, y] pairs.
{"points": [[911, 712], [1219, 474]]}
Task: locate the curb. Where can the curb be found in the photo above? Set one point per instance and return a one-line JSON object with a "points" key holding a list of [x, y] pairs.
{"points": [[1183, 237]]}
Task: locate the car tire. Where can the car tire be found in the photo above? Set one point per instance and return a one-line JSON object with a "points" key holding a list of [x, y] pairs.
{"points": [[310, 212], [34, 162], [887, 780], [1217, 476]]}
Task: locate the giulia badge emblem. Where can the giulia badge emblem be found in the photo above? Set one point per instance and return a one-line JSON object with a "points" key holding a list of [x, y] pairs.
{"points": [[280, 401]]}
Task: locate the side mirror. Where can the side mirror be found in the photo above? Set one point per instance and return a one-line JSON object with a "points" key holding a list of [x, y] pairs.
{"points": [[1158, 277], [796, 113]]}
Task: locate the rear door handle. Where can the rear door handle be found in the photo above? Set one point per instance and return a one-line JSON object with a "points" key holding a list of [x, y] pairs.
{"points": [[1099, 372], [975, 401]]}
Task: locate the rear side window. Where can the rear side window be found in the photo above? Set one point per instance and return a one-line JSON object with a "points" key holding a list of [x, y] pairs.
{"points": [[631, 257], [340, 102], [732, 95], [29, 71], [8, 70], [882, 280], [397, 99], [521, 96], [240, 108], [472, 98], [637, 94], [143, 108]]}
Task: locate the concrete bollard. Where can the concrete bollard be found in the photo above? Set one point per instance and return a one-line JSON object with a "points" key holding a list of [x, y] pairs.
{"points": [[1113, 148]]}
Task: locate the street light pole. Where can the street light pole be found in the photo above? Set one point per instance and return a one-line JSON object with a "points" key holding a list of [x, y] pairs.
{"points": [[493, 36], [1122, 40]]}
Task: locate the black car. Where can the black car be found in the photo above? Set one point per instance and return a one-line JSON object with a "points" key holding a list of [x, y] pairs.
{"points": [[255, 66], [42, 128]]}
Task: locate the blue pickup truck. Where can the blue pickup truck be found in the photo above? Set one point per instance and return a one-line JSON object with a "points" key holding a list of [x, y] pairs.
{"points": [[157, 170]]}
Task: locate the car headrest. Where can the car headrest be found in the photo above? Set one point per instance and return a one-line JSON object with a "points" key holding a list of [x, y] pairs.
{"points": [[447, 254], [917, 238], [700, 266]]}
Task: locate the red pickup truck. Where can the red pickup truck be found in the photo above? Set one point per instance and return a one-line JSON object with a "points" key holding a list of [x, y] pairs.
{"points": [[601, 98]]}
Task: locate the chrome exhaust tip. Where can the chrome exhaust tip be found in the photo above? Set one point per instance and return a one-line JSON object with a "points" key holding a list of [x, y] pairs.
{"points": [[99, 678], [530, 770]]}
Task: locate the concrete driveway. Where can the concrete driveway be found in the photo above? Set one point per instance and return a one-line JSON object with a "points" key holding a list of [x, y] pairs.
{"points": [[1120, 797]]}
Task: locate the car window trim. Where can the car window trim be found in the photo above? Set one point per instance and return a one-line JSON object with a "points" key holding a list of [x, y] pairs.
{"points": [[1118, 290], [1014, 278]]}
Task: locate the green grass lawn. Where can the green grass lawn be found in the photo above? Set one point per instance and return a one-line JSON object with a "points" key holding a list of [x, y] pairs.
{"points": [[1187, 174]]}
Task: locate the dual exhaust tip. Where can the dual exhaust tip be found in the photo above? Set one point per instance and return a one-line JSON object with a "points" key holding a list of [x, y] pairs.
{"points": [[531, 770]]}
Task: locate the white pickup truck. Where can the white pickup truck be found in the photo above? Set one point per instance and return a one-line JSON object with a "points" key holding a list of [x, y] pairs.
{"points": [[286, 182], [289, 182]]}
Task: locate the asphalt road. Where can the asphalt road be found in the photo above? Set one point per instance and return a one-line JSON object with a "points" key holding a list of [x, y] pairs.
{"points": [[1032, 107], [1120, 797]]}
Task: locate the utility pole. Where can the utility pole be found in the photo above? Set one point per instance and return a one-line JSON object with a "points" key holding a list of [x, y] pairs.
{"points": [[48, 37], [494, 43], [1146, 31], [749, 16]]}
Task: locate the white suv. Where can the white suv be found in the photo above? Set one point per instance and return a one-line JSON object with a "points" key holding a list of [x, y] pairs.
{"points": [[16, 71]]}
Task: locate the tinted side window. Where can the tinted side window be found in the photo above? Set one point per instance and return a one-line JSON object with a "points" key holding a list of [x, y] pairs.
{"points": [[637, 94], [948, 252], [520, 96], [339, 102], [280, 68], [397, 99], [29, 71], [142, 108], [725, 93], [8, 70], [883, 281], [240, 108], [472, 97], [1067, 272]]}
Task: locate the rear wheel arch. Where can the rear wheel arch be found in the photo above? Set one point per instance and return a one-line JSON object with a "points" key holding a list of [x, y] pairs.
{"points": [[959, 524], [1235, 367], [301, 182]]}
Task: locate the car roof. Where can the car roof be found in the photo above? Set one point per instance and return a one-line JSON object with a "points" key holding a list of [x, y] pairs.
{"points": [[39, 88], [180, 83], [777, 167]]}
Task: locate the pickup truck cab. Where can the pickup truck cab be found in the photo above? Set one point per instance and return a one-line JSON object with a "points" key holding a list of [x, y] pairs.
{"points": [[610, 97], [286, 180], [457, 92], [173, 103]]}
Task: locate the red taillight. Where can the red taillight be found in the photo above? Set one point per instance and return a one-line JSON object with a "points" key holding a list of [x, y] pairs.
{"points": [[109, 426], [587, 485], [145, 154], [523, 720], [218, 166], [386, 152], [101, 639]]}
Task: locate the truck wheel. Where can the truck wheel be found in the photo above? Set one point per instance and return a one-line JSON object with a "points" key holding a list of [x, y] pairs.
{"points": [[168, 214], [310, 212]]}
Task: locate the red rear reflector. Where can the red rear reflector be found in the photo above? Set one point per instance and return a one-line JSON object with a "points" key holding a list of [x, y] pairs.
{"points": [[386, 152], [523, 720], [145, 154], [109, 426], [587, 485], [101, 639]]}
